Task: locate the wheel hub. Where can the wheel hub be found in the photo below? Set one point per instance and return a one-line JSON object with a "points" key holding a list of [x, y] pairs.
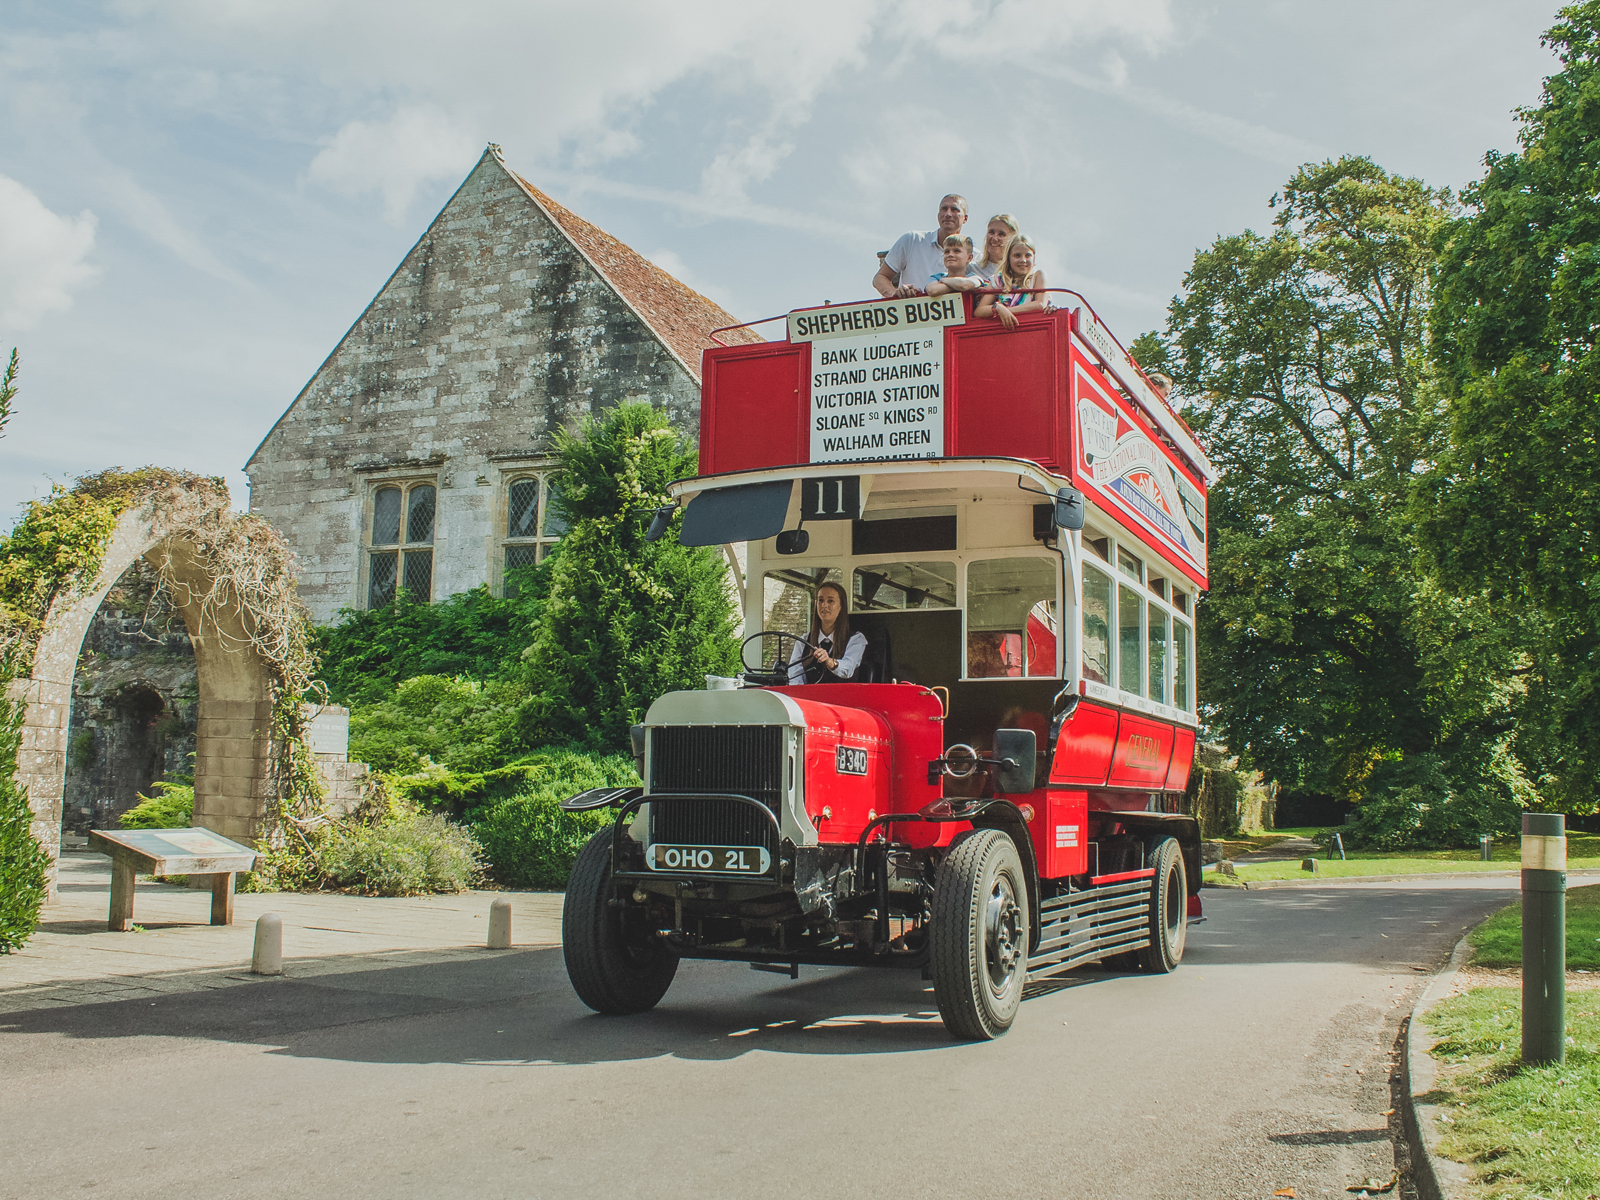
{"points": [[1003, 934]]}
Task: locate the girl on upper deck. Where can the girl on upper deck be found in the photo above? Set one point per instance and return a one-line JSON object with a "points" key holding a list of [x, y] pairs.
{"points": [[1001, 227], [1021, 285]]}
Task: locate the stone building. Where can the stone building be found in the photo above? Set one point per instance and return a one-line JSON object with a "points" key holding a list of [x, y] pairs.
{"points": [[417, 454]]}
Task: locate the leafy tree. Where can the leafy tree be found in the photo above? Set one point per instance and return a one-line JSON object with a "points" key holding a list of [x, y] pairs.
{"points": [[626, 619], [23, 862], [1513, 500], [1304, 351]]}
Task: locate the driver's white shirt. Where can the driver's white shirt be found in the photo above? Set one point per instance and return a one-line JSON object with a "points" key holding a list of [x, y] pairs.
{"points": [[848, 661]]}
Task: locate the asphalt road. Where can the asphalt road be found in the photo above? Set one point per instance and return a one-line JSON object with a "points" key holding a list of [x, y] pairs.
{"points": [[1262, 1063]]}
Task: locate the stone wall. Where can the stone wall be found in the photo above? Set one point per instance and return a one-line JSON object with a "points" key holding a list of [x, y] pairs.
{"points": [[135, 702], [494, 330]]}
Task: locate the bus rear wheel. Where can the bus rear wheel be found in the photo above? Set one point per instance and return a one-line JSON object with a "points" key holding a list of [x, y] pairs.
{"points": [[1169, 909], [979, 937], [612, 968]]}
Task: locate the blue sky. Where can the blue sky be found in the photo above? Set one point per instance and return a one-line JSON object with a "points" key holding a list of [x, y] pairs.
{"points": [[198, 197]]}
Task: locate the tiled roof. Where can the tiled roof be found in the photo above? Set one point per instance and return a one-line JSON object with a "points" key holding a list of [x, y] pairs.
{"points": [[680, 316]]}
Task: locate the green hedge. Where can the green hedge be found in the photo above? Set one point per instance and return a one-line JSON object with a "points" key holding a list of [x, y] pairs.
{"points": [[411, 856], [23, 862], [527, 839]]}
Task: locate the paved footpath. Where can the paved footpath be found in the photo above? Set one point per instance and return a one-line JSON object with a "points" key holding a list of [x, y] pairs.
{"points": [[74, 959]]}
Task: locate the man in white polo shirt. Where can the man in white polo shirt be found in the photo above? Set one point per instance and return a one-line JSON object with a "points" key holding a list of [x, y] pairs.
{"points": [[916, 256]]}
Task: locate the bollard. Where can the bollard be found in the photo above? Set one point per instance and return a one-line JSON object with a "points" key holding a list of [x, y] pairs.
{"points": [[1544, 938], [500, 925], [1309, 864], [268, 958], [1485, 849]]}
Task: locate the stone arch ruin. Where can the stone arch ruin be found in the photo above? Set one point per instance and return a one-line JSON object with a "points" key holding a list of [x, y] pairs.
{"points": [[233, 736]]}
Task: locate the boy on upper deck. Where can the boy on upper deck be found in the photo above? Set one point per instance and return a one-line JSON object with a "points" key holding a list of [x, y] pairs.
{"points": [[959, 275]]}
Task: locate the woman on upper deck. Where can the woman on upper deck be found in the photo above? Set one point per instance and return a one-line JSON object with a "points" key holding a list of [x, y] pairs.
{"points": [[1021, 285], [830, 629], [1001, 227]]}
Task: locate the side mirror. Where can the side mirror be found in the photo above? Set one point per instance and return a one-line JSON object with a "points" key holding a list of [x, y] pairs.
{"points": [[794, 541], [658, 527], [1069, 512], [1018, 752]]}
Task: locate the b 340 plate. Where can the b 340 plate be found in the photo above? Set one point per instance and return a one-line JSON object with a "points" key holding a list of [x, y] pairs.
{"points": [[715, 860]]}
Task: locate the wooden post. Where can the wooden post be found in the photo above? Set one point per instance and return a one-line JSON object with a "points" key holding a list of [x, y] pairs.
{"points": [[222, 898], [123, 876]]}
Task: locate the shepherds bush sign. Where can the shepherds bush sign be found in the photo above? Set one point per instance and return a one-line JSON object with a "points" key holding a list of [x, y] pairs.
{"points": [[877, 377]]}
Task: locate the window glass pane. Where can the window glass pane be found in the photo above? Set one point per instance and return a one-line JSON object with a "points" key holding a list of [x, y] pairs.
{"points": [[1180, 600], [907, 585], [522, 511], [1096, 626], [1129, 627], [1157, 644], [786, 596], [386, 517], [1100, 545], [380, 579], [1180, 664], [419, 516], [1128, 564], [555, 517], [1011, 602], [419, 574], [1158, 585], [517, 557]]}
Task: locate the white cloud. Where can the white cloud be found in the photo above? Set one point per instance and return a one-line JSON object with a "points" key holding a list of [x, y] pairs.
{"points": [[415, 146], [41, 256]]}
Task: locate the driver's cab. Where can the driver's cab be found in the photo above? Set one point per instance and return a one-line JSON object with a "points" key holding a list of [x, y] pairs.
{"points": [[955, 572]]}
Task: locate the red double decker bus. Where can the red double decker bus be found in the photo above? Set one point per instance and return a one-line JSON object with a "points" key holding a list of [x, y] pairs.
{"points": [[1017, 521]]}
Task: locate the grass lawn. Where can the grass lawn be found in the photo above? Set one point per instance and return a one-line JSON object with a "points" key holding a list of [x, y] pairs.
{"points": [[1528, 1132], [1583, 850], [1498, 941]]}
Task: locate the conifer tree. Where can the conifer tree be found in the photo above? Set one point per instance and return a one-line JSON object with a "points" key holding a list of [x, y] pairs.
{"points": [[627, 619]]}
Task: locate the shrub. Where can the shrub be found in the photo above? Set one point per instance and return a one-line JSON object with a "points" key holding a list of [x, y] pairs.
{"points": [[23, 862], [527, 839], [1415, 804], [411, 856], [459, 723], [172, 807]]}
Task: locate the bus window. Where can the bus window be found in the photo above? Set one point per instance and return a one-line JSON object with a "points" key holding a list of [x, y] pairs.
{"points": [[786, 596], [1011, 618], [1180, 655], [1096, 626], [898, 587], [1130, 619], [1130, 566], [1157, 643]]}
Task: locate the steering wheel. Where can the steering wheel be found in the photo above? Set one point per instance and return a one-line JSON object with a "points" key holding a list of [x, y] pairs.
{"points": [[777, 673]]}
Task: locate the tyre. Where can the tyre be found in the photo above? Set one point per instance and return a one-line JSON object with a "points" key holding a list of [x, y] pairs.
{"points": [[978, 955], [611, 971], [1169, 908]]}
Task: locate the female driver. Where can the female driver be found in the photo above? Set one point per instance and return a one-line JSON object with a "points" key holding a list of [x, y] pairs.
{"points": [[830, 629], [1021, 285], [1001, 227]]}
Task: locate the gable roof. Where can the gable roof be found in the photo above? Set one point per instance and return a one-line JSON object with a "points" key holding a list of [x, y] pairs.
{"points": [[680, 316]]}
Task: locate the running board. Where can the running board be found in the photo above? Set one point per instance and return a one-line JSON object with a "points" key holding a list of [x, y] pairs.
{"points": [[1083, 926]]}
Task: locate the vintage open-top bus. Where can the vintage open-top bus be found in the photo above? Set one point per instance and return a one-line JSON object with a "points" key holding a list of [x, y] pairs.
{"points": [[1017, 519]]}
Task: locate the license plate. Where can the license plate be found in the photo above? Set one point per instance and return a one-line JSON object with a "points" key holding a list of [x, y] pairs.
{"points": [[850, 760], [719, 860]]}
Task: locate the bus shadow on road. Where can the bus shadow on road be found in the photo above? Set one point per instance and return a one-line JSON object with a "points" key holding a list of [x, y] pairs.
{"points": [[518, 1009]]}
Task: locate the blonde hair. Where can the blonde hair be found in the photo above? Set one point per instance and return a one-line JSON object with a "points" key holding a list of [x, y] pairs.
{"points": [[959, 239], [1005, 277], [1010, 223]]}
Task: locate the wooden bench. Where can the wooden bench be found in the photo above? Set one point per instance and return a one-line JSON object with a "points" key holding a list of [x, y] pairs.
{"points": [[194, 851]]}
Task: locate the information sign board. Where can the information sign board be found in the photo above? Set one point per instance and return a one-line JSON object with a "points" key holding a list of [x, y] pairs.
{"points": [[877, 384]]}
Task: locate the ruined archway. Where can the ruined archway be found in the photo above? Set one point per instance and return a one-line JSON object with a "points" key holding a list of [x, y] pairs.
{"points": [[228, 576]]}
